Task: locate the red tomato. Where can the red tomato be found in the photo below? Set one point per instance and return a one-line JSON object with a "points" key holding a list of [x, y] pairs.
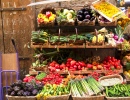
{"points": [[73, 62], [79, 67], [62, 66]]}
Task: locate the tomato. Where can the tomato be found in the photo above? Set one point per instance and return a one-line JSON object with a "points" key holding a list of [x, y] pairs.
{"points": [[52, 64], [62, 66], [79, 67], [75, 66], [73, 62], [81, 64]]}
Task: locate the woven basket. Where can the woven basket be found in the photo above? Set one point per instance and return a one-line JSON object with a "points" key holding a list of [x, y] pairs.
{"points": [[61, 97], [117, 98], [21, 97], [112, 76], [89, 23], [122, 46], [43, 11], [101, 97], [95, 44], [107, 23], [58, 43], [77, 42], [100, 43], [44, 68]]}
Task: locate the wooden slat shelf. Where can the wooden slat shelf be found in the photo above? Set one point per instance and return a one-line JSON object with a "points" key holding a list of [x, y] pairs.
{"points": [[78, 72], [71, 46], [78, 26], [86, 71]]}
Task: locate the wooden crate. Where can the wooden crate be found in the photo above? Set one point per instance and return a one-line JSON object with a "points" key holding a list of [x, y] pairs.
{"points": [[117, 98], [21, 97], [62, 97], [101, 97]]}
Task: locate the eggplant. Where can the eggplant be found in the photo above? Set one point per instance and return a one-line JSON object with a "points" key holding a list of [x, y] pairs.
{"points": [[80, 12], [87, 17], [80, 17], [86, 13]]}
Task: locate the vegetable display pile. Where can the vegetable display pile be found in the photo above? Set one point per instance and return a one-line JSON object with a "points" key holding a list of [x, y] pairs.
{"points": [[28, 78], [85, 87], [38, 78], [111, 63], [71, 65], [109, 82], [53, 90], [52, 78], [106, 8], [119, 33], [46, 18], [40, 36], [102, 19], [119, 90], [39, 63], [66, 15], [58, 39], [125, 45], [86, 15], [20, 88]]}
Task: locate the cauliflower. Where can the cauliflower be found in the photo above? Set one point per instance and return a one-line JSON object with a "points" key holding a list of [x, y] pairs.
{"points": [[69, 16], [71, 20], [66, 11]]}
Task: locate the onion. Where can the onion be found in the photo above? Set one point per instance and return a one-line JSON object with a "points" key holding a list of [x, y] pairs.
{"points": [[115, 37]]}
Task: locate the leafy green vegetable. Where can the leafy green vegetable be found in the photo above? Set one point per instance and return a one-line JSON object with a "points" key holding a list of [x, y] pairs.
{"points": [[119, 90]]}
